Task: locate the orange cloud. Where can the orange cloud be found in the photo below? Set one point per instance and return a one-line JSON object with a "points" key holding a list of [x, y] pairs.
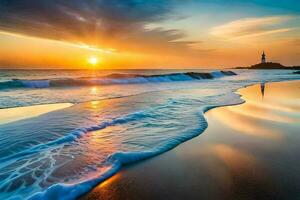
{"points": [[250, 27]]}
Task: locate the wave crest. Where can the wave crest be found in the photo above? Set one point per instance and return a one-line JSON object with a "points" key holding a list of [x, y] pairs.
{"points": [[112, 79]]}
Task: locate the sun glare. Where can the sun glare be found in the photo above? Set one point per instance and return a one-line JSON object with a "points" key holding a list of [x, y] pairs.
{"points": [[93, 60]]}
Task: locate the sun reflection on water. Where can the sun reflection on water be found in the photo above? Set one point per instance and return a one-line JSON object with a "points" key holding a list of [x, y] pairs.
{"points": [[94, 91]]}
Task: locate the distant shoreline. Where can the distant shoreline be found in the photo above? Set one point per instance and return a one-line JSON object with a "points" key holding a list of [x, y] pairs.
{"points": [[270, 65]]}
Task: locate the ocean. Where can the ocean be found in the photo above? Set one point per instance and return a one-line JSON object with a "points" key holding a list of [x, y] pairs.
{"points": [[118, 117]]}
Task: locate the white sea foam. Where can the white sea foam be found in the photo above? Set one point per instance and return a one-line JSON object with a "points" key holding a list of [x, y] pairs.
{"points": [[117, 160], [74, 135]]}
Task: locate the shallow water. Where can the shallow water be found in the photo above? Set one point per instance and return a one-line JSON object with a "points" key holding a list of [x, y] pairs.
{"points": [[67, 152]]}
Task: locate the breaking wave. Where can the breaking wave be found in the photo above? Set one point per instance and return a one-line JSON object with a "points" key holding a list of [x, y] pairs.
{"points": [[112, 79]]}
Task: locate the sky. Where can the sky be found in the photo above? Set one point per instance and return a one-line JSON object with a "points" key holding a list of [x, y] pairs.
{"points": [[155, 34]]}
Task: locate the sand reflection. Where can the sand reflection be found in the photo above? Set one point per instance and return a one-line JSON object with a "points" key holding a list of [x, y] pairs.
{"points": [[256, 117], [277, 95], [244, 124], [262, 89], [259, 111], [234, 158], [244, 172]]}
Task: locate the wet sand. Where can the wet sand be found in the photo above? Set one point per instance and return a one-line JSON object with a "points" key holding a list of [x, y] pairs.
{"points": [[248, 151], [8, 115]]}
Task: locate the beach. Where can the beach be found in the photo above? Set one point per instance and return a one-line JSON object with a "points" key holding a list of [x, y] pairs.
{"points": [[248, 151], [167, 136]]}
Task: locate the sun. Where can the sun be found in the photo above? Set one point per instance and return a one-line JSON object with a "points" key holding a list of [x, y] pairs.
{"points": [[93, 60]]}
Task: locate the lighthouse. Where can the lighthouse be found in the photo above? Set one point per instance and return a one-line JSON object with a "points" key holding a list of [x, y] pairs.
{"points": [[263, 57]]}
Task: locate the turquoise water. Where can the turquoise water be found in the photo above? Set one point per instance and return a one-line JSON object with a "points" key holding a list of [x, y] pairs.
{"points": [[115, 120]]}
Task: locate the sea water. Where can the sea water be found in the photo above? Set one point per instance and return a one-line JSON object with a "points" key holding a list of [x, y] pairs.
{"points": [[118, 117]]}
